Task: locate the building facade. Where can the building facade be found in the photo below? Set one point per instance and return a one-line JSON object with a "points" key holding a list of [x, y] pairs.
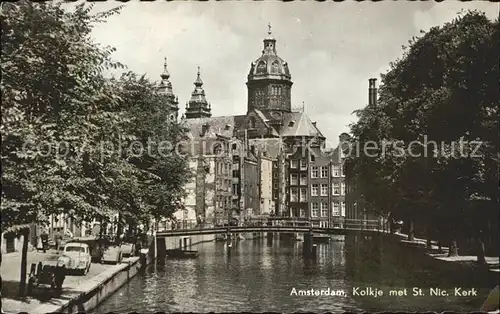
{"points": [[278, 166]]}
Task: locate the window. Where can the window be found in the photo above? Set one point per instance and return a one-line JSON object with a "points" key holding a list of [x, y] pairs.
{"points": [[303, 195], [324, 209], [294, 164], [302, 212], [315, 210], [324, 172], [342, 188], [294, 179], [217, 149], [336, 170], [336, 209], [235, 189], [314, 189], [294, 194], [312, 158], [324, 189], [276, 185], [303, 164], [252, 122], [342, 210], [336, 188], [303, 179], [314, 172], [342, 170]]}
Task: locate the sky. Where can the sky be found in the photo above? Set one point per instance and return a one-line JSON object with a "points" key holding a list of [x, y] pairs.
{"points": [[332, 48]]}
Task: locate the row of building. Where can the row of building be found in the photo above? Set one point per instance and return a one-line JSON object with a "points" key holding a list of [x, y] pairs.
{"points": [[270, 161]]}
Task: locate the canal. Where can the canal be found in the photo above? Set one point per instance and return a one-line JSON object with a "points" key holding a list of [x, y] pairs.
{"points": [[257, 276]]}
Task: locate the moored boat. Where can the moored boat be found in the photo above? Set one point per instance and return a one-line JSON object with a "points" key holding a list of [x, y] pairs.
{"points": [[177, 253]]}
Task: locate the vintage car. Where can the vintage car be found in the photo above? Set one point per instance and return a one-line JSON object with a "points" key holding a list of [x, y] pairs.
{"points": [[76, 257]]}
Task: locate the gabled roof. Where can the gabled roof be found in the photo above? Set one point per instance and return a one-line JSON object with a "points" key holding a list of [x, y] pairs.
{"points": [[298, 124], [223, 126]]}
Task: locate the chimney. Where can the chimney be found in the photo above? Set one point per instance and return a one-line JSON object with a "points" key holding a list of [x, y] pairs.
{"points": [[372, 92]]}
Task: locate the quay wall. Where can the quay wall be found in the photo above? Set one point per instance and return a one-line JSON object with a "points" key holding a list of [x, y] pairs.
{"points": [[173, 242], [394, 248], [95, 290]]}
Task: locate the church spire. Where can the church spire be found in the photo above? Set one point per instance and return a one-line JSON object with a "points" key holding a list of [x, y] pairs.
{"points": [[165, 75], [165, 88], [269, 42], [198, 106], [165, 84]]}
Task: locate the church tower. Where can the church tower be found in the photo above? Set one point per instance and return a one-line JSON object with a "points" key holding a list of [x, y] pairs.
{"points": [[165, 89], [269, 82], [198, 107]]}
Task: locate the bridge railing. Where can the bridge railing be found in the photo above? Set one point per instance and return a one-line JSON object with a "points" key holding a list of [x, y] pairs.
{"points": [[341, 223]]}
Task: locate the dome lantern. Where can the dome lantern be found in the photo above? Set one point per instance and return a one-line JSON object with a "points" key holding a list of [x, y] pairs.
{"points": [[269, 81]]}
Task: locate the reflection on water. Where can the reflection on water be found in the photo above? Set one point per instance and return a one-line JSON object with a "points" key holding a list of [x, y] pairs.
{"points": [[255, 276]]}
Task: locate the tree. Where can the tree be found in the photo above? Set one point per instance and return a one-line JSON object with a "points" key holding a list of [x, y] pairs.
{"points": [[444, 90]]}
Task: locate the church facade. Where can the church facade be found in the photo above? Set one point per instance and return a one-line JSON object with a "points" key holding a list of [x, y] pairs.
{"points": [[273, 152]]}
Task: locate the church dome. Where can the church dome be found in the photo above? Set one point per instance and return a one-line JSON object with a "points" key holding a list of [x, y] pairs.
{"points": [[269, 65]]}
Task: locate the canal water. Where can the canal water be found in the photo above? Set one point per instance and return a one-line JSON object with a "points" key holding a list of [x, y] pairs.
{"points": [[257, 276]]}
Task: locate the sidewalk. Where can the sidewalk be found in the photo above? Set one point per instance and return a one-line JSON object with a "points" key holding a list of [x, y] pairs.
{"points": [[11, 273], [493, 262]]}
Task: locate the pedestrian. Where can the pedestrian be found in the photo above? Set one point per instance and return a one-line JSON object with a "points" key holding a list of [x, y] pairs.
{"points": [[44, 239], [58, 238]]}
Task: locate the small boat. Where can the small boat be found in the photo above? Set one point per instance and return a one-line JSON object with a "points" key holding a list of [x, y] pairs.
{"points": [[177, 253], [321, 239]]}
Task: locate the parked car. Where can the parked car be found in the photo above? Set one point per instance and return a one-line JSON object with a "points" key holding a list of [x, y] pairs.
{"points": [[76, 257]]}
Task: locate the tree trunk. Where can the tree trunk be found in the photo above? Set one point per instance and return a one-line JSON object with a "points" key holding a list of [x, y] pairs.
{"points": [[428, 234], [453, 251], [119, 230], [481, 259], [411, 231], [1, 307], [24, 262]]}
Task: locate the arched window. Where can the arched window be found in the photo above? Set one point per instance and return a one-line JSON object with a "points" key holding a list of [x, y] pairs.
{"points": [[261, 67], [252, 122], [275, 67], [217, 149]]}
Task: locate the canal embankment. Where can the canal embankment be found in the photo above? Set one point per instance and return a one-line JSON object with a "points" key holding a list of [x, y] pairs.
{"points": [[462, 267], [79, 293]]}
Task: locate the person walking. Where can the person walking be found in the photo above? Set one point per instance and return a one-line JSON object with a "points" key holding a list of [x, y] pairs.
{"points": [[44, 238], [58, 239]]}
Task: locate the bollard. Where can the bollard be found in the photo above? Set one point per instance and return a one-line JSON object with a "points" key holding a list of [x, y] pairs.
{"points": [[314, 251]]}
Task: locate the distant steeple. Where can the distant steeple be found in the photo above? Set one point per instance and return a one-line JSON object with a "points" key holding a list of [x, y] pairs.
{"points": [[165, 88], [198, 106]]}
